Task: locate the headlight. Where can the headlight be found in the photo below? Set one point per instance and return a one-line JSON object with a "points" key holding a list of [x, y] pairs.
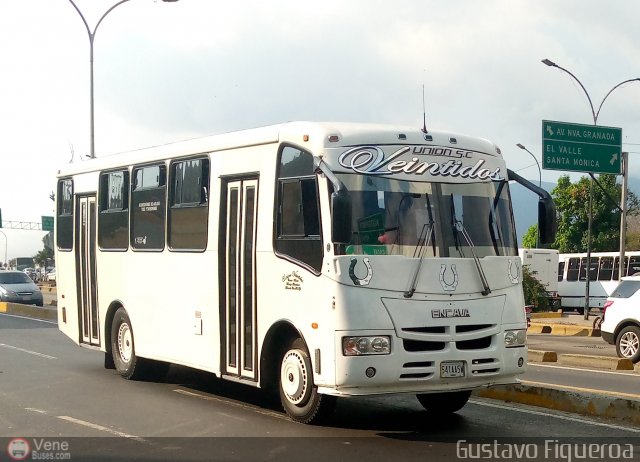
{"points": [[515, 338], [372, 345], [8, 292]]}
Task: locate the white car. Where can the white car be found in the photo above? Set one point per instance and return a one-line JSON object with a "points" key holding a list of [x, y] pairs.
{"points": [[621, 319]]}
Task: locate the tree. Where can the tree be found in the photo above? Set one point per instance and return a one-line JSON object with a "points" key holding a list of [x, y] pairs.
{"points": [[572, 204], [530, 238], [534, 292], [43, 257]]}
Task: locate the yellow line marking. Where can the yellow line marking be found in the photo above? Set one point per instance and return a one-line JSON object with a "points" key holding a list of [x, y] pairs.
{"points": [[588, 390]]}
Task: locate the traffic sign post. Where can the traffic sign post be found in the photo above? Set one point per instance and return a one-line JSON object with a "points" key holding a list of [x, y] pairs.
{"points": [[47, 223], [581, 148]]}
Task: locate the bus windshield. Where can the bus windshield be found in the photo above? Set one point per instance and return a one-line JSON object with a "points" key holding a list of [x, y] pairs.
{"points": [[393, 217]]}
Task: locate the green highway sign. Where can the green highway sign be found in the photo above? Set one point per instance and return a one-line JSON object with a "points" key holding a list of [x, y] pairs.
{"points": [[581, 148], [47, 223]]}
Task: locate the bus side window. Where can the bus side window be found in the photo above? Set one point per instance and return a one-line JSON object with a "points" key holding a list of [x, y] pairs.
{"points": [[148, 203], [189, 205], [593, 274], [634, 266], [606, 269], [616, 267], [64, 212], [573, 270], [560, 271], [113, 216], [297, 210]]}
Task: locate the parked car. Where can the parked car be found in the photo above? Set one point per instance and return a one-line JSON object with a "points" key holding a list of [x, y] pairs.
{"points": [[621, 319], [51, 276], [17, 287]]}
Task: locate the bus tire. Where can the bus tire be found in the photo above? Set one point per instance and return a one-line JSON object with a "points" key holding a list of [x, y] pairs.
{"points": [[298, 394], [628, 343], [125, 360], [444, 403]]}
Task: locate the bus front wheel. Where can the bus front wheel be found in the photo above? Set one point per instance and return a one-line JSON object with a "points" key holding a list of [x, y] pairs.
{"points": [[125, 360], [444, 403], [298, 394]]}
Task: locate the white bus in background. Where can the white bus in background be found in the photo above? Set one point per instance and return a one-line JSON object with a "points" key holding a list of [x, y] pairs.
{"points": [[604, 275], [543, 264], [322, 259]]}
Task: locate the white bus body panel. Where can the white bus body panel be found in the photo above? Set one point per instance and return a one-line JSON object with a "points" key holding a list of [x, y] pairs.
{"points": [[173, 298]]}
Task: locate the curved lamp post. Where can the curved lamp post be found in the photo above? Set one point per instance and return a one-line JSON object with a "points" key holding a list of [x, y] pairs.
{"points": [[92, 35], [539, 185], [6, 261], [595, 115]]}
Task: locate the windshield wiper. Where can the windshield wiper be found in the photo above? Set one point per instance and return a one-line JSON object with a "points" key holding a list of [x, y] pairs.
{"points": [[421, 249], [458, 227]]}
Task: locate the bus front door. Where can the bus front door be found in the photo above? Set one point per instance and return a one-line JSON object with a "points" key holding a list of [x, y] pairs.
{"points": [[239, 264], [86, 264]]}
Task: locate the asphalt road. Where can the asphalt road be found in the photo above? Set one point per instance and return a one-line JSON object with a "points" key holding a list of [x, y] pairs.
{"points": [[53, 389]]}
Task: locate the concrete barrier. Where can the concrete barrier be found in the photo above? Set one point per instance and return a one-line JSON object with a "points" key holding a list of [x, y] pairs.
{"points": [[29, 311], [597, 362], [622, 407], [539, 356], [563, 329]]}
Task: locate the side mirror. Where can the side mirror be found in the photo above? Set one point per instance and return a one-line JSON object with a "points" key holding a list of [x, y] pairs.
{"points": [[340, 217], [547, 221]]}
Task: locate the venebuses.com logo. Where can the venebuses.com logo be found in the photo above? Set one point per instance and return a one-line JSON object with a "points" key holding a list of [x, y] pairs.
{"points": [[38, 449], [18, 449]]}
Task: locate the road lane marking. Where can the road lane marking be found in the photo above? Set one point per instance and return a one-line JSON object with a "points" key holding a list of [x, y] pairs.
{"points": [[588, 390], [581, 369], [35, 353], [33, 409], [556, 416], [230, 402], [94, 426], [30, 319]]}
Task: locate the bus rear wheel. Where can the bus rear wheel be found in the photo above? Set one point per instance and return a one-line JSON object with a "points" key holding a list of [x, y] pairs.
{"points": [[444, 403], [125, 360], [298, 394]]}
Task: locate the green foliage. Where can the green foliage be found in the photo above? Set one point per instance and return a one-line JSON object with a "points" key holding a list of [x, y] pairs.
{"points": [[530, 238], [572, 204], [534, 292], [43, 257]]}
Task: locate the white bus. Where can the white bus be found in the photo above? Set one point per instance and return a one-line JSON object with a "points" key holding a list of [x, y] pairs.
{"points": [[604, 277], [324, 260]]}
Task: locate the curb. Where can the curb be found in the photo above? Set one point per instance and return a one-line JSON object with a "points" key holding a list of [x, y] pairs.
{"points": [[563, 329], [539, 356], [598, 362], [588, 361], [546, 315], [30, 311], [616, 406]]}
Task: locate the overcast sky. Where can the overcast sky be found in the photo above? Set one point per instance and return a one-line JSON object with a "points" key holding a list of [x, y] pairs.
{"points": [[171, 71]]}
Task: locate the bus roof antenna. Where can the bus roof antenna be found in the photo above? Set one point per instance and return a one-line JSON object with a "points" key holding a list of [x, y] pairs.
{"points": [[424, 113]]}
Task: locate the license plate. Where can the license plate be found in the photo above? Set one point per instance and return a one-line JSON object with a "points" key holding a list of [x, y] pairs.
{"points": [[452, 369]]}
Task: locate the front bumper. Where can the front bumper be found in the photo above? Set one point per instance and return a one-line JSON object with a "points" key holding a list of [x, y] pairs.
{"points": [[405, 371], [33, 299], [608, 337]]}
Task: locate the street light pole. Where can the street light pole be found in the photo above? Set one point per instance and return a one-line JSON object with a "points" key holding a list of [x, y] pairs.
{"points": [[6, 262], [539, 185], [595, 115], [92, 35]]}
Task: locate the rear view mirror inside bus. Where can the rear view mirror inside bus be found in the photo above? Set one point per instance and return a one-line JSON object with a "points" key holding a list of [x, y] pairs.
{"points": [[341, 217]]}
